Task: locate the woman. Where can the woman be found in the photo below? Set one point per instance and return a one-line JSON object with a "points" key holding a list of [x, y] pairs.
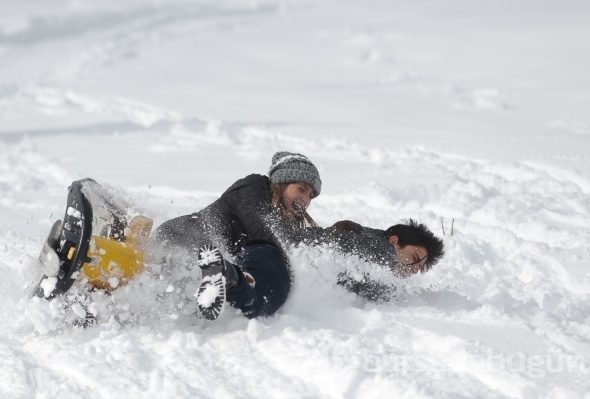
{"points": [[250, 221]]}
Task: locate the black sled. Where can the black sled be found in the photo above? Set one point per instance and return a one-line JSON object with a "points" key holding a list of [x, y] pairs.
{"points": [[66, 248]]}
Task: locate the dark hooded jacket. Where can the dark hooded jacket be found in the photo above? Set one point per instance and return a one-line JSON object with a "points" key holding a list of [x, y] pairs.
{"points": [[242, 215], [351, 238], [243, 223]]}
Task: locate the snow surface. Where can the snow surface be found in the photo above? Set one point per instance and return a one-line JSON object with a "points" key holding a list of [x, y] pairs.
{"points": [[469, 111]]}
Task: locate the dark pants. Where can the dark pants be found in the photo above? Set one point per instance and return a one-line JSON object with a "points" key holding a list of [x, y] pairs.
{"points": [[270, 269], [268, 265]]}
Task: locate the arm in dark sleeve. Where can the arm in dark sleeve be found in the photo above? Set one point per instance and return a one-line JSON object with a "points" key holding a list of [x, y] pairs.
{"points": [[307, 235], [346, 225], [372, 291], [352, 238]]}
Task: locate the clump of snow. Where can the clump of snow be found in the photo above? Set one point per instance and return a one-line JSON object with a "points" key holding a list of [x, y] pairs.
{"points": [[208, 295], [48, 285], [74, 212], [114, 282]]}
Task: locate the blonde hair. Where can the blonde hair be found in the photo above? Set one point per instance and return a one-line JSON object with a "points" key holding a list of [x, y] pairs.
{"points": [[278, 202]]}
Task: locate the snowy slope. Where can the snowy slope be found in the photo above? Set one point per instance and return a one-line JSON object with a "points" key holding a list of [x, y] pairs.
{"points": [[469, 111]]}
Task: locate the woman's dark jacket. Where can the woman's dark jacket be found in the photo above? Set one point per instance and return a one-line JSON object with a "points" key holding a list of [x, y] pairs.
{"points": [[243, 214]]}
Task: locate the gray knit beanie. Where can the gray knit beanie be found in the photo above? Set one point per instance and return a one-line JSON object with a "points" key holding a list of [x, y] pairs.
{"points": [[290, 167]]}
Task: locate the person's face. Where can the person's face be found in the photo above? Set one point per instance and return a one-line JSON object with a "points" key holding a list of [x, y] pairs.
{"points": [[297, 196], [412, 258]]}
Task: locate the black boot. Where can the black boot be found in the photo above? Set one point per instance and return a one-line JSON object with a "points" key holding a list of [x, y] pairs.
{"points": [[218, 276]]}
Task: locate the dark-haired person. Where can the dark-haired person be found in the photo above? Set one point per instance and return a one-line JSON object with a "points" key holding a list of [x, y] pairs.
{"points": [[248, 223], [404, 249]]}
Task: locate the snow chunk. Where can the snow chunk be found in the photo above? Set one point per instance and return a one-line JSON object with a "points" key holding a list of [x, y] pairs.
{"points": [[208, 296], [79, 310], [113, 282], [74, 212], [48, 285]]}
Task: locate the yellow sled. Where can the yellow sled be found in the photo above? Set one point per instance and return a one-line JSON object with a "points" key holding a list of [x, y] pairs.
{"points": [[114, 262]]}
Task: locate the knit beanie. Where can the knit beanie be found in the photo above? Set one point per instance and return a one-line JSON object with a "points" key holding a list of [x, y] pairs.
{"points": [[290, 167]]}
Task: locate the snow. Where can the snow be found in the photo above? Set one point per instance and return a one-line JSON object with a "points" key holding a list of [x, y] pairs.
{"points": [[113, 282], [208, 256], [208, 296], [469, 113], [48, 285], [74, 212]]}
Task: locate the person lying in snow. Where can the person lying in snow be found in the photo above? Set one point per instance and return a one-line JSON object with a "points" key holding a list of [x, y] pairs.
{"points": [[253, 221], [404, 249], [249, 222]]}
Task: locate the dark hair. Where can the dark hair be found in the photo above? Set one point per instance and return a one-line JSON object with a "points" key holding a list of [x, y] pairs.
{"points": [[414, 233]]}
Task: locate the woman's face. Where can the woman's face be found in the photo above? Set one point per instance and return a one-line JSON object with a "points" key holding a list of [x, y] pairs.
{"points": [[297, 197]]}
